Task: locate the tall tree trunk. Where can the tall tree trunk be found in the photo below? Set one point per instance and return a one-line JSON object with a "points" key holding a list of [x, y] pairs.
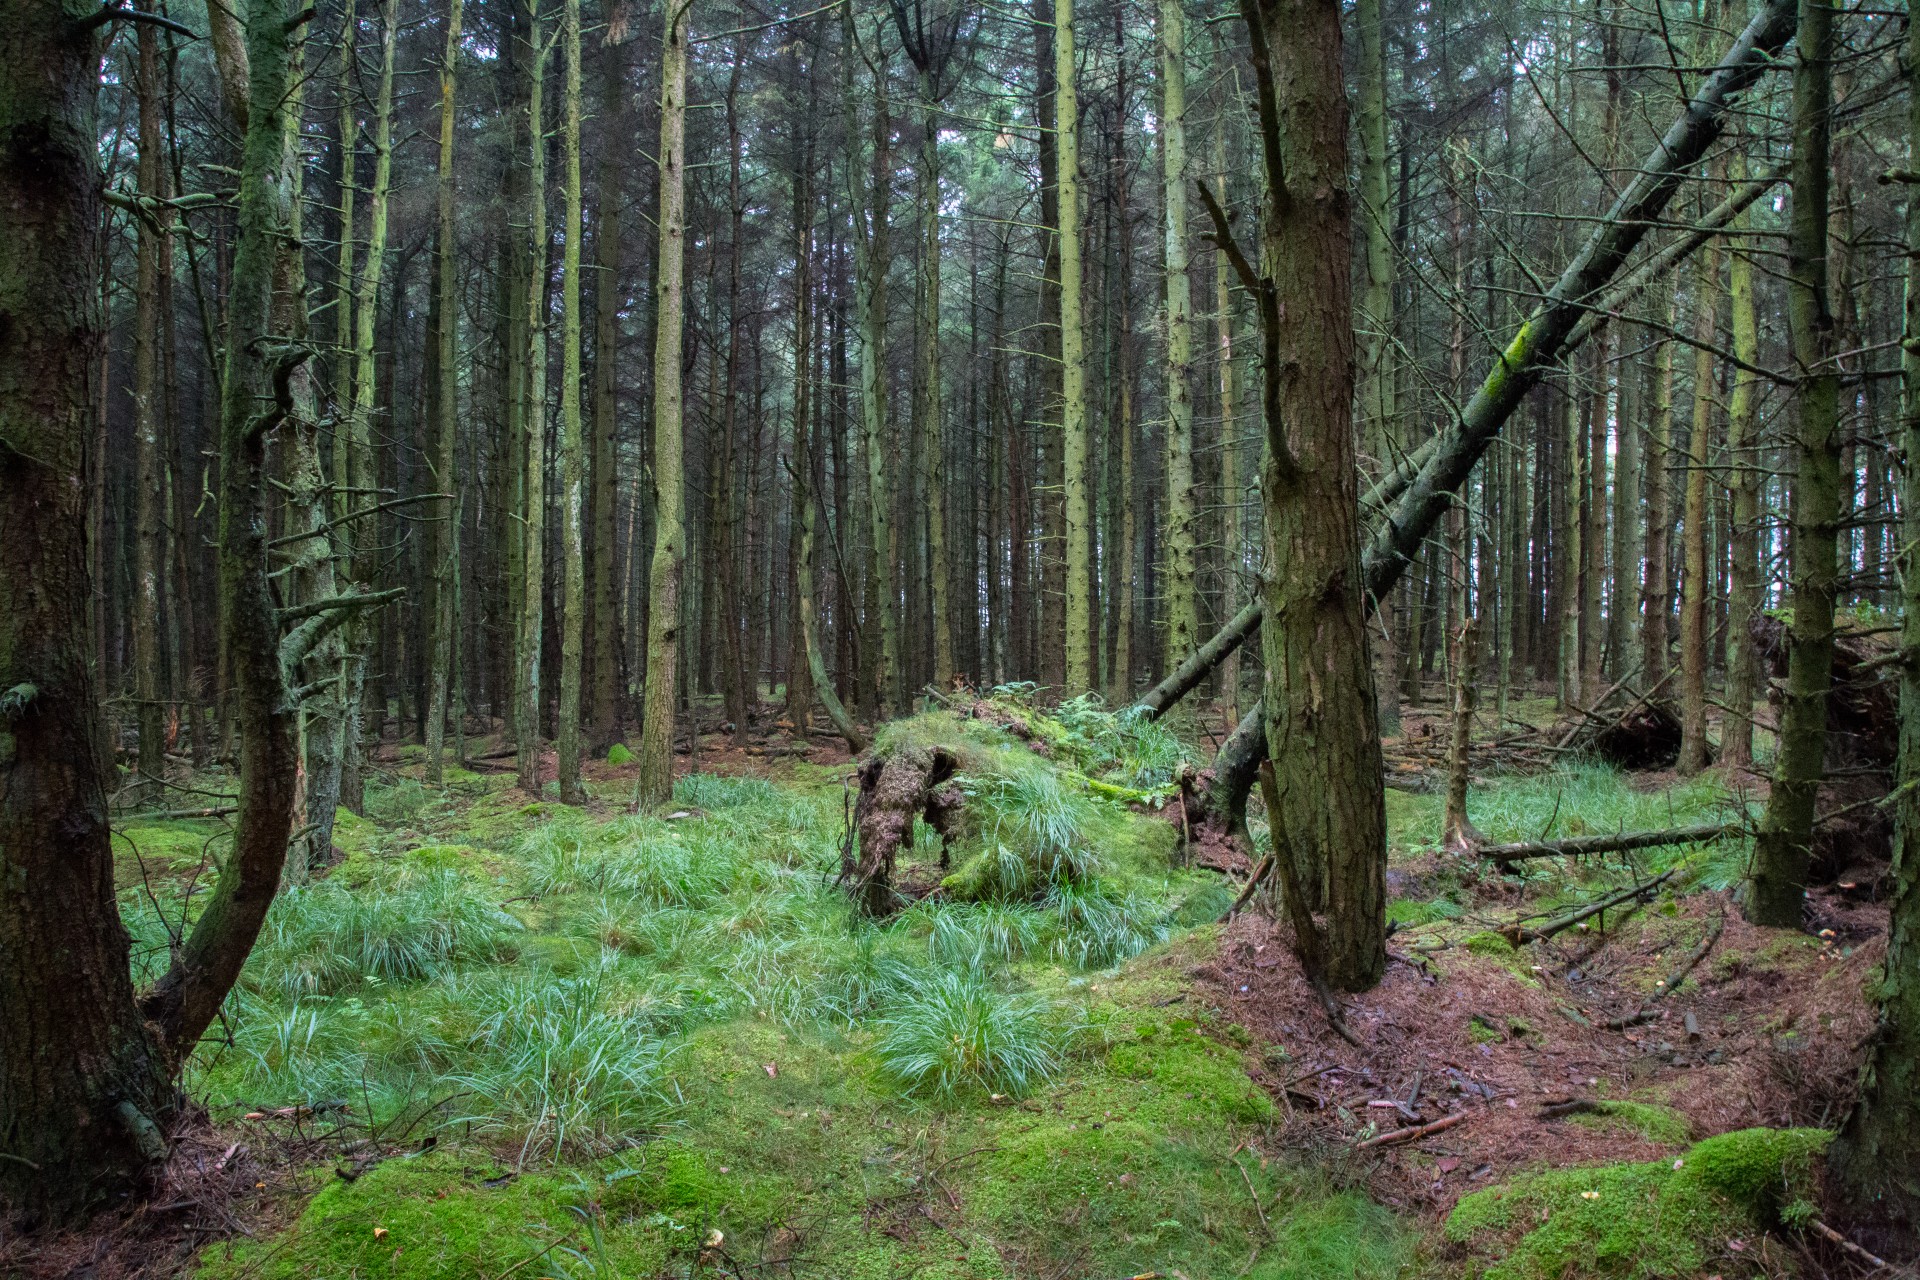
{"points": [[1777, 885], [654, 786], [154, 257], [1182, 541], [446, 591], [1321, 719], [573, 459], [1376, 322], [1876, 1159], [533, 444], [1696, 580], [362, 480], [603, 642], [1655, 588], [76, 1057], [800, 674], [1746, 583], [1076, 435], [869, 188]]}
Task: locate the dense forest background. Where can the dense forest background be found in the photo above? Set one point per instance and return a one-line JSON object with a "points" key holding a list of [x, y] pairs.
{"points": [[395, 389]]}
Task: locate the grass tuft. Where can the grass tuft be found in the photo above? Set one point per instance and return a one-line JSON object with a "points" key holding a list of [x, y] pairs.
{"points": [[952, 1033]]}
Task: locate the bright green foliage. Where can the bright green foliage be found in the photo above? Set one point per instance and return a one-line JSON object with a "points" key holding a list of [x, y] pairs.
{"points": [[1664, 1218], [617, 754]]}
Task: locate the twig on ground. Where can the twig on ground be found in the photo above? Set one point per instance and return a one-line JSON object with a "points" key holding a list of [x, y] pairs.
{"points": [[1416, 1131]]}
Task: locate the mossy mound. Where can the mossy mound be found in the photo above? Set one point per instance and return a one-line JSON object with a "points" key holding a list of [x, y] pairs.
{"points": [[617, 754], [1659, 1219]]}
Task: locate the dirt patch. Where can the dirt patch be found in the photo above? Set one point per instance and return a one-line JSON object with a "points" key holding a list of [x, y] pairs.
{"points": [[1768, 1030], [213, 1187]]}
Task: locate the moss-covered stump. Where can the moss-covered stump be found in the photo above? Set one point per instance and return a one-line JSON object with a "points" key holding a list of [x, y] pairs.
{"points": [[1685, 1217], [898, 784]]}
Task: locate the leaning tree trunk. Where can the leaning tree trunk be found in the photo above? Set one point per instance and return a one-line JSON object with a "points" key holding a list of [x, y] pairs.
{"points": [[1777, 885], [75, 1055], [1876, 1159]]}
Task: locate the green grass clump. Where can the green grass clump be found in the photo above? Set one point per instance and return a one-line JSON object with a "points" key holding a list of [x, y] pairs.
{"points": [[326, 937], [953, 1033], [618, 754], [558, 1067], [1663, 1218]]}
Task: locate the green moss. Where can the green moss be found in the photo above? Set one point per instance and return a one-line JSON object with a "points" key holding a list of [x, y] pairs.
{"points": [[617, 754], [165, 848], [1488, 943], [1663, 1218], [432, 1220], [1650, 1121]]}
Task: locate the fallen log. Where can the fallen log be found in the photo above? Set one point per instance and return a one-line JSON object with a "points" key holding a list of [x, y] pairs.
{"points": [[1518, 935], [1580, 846]]}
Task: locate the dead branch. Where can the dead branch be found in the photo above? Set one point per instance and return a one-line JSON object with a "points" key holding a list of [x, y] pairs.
{"points": [[1518, 935], [1580, 846], [1412, 1132]]}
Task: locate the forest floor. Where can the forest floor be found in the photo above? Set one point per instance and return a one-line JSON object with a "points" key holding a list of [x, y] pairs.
{"points": [[504, 1038]]}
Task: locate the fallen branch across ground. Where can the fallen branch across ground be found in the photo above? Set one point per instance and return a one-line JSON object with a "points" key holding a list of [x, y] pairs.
{"points": [[1519, 935], [1672, 981], [1415, 1131], [1580, 846]]}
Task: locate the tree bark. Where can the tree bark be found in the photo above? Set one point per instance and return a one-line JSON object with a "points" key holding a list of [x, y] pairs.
{"points": [[446, 590], [1777, 885], [1076, 435], [1181, 599], [1321, 719], [1876, 1158], [76, 1051], [533, 442], [654, 785], [573, 459]]}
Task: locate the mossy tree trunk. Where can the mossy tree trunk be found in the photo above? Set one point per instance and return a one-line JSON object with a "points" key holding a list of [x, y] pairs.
{"points": [[1746, 584], [1876, 1160], [1182, 536], [654, 785], [1076, 435], [1776, 888], [532, 445], [1697, 577]]}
